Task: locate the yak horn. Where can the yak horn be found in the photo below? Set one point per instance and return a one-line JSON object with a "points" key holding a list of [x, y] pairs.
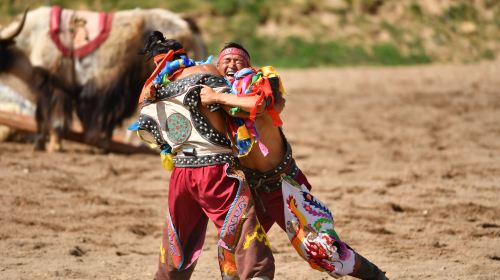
{"points": [[17, 31]]}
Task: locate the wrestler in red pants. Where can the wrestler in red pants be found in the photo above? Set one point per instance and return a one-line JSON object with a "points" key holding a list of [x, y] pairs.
{"points": [[214, 192]]}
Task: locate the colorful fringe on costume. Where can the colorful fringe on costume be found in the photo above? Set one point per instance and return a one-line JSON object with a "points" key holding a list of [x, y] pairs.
{"points": [[172, 66], [249, 81]]}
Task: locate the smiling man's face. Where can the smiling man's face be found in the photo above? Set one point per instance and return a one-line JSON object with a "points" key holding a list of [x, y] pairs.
{"points": [[230, 64]]}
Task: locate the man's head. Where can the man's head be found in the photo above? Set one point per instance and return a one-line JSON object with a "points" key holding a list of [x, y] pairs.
{"points": [[157, 44], [162, 50], [232, 58]]}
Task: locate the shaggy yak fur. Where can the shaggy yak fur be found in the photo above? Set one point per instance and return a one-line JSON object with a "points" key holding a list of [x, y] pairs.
{"points": [[103, 86]]}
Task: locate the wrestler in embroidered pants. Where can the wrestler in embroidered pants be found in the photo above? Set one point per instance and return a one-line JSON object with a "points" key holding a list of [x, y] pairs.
{"points": [[214, 192]]}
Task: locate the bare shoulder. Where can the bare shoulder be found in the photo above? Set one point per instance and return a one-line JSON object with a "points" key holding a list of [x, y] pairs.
{"points": [[210, 68], [204, 68]]}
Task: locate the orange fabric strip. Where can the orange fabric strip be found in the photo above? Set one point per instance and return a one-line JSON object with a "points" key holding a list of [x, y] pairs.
{"points": [[164, 59]]}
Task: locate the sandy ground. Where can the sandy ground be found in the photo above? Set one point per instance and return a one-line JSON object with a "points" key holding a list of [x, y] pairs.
{"points": [[407, 159]]}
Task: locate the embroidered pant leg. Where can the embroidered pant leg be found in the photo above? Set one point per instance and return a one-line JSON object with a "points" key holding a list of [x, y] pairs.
{"points": [[273, 203], [251, 257], [310, 228], [253, 250], [363, 269], [184, 232], [243, 244], [166, 268]]}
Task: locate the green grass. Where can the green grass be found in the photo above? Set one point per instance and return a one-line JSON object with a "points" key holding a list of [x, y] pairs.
{"points": [[297, 53], [488, 54], [461, 11]]}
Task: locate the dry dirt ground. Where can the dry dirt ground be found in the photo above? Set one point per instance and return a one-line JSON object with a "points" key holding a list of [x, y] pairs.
{"points": [[407, 159]]}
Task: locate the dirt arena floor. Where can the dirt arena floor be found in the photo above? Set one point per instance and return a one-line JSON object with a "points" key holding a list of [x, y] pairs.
{"points": [[407, 159]]}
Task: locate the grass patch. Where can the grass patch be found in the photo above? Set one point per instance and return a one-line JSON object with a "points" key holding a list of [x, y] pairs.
{"points": [[488, 54], [416, 10], [462, 11], [294, 52], [388, 54]]}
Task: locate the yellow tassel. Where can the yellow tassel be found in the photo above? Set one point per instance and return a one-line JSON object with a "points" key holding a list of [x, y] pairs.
{"points": [[167, 161], [150, 144], [269, 71], [243, 133]]}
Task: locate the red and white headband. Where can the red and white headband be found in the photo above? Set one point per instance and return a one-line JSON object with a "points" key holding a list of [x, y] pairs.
{"points": [[235, 51]]}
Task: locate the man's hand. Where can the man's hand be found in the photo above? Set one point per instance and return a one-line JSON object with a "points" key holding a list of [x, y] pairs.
{"points": [[279, 104], [151, 94], [208, 95]]}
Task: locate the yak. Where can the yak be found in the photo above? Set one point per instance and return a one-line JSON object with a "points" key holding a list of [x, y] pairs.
{"points": [[103, 82], [51, 92]]}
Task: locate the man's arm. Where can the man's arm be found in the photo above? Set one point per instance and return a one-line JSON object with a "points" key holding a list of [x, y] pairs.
{"points": [[246, 103]]}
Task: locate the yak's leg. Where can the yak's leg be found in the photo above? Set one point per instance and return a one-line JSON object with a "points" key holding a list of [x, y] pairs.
{"points": [[106, 139], [53, 109], [40, 139], [57, 129], [41, 125], [55, 141], [60, 118]]}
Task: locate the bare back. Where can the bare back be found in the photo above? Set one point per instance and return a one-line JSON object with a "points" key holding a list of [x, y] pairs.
{"points": [[271, 137]]}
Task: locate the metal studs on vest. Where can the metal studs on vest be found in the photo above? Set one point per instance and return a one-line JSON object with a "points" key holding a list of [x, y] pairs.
{"points": [[148, 124], [200, 122], [178, 87], [196, 161]]}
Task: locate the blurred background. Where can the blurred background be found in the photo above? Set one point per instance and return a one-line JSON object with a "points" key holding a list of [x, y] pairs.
{"points": [[306, 33]]}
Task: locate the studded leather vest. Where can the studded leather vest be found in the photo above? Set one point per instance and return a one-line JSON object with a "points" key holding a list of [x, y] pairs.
{"points": [[174, 118]]}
